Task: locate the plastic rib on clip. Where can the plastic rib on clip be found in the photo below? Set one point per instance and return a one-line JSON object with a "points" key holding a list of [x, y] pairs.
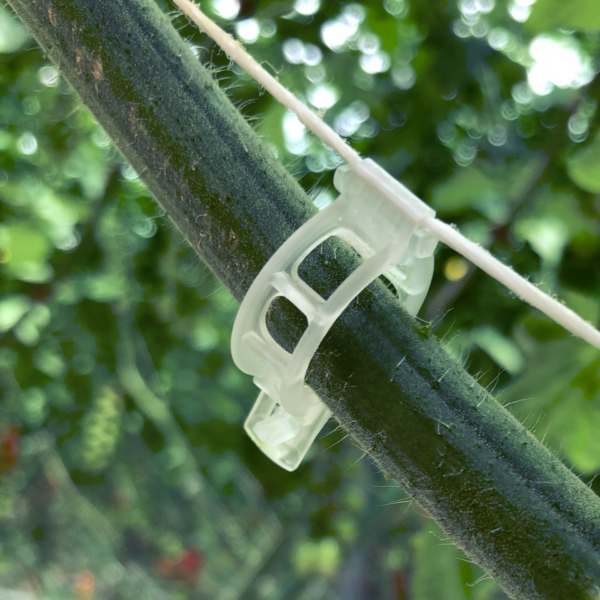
{"points": [[380, 219]]}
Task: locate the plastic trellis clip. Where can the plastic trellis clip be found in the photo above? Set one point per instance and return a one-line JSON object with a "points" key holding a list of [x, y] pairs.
{"points": [[380, 219]]}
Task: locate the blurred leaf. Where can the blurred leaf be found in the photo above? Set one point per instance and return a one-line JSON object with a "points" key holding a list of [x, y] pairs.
{"points": [[28, 248], [559, 393], [546, 234], [12, 34], [437, 574], [212, 363], [12, 308], [574, 429], [551, 369], [584, 166], [466, 578], [549, 222], [500, 348], [488, 189], [466, 186], [580, 15]]}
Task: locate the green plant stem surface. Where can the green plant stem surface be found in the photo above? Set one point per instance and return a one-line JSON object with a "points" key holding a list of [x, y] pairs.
{"points": [[499, 494]]}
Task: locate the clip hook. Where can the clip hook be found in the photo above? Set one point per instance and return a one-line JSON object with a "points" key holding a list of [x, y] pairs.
{"points": [[380, 219]]}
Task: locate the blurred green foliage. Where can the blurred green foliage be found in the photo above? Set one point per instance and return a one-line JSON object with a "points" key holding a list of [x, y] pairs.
{"points": [[125, 472]]}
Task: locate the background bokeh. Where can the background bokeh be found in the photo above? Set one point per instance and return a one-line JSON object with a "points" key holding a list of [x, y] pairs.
{"points": [[124, 469]]}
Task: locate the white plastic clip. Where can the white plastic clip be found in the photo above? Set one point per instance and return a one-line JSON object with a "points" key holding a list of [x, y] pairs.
{"points": [[380, 219]]}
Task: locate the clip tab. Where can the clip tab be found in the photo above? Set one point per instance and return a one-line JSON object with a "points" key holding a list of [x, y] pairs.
{"points": [[380, 219]]}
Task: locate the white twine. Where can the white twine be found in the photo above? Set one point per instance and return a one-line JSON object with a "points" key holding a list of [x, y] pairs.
{"points": [[440, 230]]}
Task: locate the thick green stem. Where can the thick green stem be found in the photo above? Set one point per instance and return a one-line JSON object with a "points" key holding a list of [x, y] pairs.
{"points": [[513, 507]]}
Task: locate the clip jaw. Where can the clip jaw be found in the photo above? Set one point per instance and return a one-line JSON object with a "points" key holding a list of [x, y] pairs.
{"points": [[279, 435], [380, 219]]}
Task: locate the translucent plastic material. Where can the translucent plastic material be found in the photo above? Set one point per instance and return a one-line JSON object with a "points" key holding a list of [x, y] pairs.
{"points": [[380, 219]]}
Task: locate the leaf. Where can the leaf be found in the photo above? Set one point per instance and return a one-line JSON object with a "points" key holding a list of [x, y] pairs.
{"points": [[574, 429], [437, 568], [584, 167], [466, 186], [12, 34], [559, 393], [466, 578], [580, 15], [12, 308], [488, 191], [28, 251]]}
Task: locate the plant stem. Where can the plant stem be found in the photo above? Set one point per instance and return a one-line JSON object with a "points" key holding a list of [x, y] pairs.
{"points": [[497, 492]]}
